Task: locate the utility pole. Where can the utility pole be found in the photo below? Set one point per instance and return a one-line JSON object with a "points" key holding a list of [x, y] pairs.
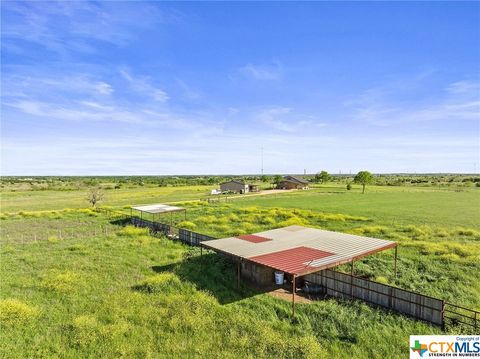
{"points": [[262, 160]]}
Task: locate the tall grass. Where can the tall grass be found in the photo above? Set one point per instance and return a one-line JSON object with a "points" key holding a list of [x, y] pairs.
{"points": [[128, 294]]}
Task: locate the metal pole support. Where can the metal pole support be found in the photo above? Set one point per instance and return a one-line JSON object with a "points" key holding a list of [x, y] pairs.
{"points": [[293, 296], [395, 262]]}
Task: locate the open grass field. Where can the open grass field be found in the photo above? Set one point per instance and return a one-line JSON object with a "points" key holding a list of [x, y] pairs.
{"points": [[55, 200], [90, 287]]}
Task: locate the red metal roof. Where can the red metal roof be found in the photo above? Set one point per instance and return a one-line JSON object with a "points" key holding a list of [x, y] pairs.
{"points": [[253, 238], [294, 260]]}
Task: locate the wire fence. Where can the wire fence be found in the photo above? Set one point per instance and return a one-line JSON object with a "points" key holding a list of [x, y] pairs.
{"points": [[334, 283], [62, 234], [342, 285]]}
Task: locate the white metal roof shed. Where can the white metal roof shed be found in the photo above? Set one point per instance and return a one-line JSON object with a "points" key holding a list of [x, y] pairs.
{"points": [[158, 208]]}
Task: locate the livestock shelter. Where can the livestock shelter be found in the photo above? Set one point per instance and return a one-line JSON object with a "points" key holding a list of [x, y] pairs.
{"points": [[157, 210], [295, 251]]}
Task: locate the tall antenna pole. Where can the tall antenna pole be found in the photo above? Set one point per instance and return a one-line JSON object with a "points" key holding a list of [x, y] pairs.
{"points": [[262, 160]]}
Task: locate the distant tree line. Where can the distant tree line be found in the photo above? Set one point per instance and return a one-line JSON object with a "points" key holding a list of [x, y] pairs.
{"points": [[67, 183]]}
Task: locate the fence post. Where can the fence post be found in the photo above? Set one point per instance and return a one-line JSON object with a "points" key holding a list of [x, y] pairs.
{"points": [[390, 301], [443, 315], [351, 280]]}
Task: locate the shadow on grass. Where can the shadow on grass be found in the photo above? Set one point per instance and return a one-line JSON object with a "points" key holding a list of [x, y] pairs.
{"points": [[214, 274], [121, 221]]}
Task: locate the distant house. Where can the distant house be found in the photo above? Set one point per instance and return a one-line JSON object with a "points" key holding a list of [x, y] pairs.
{"points": [[291, 182], [234, 186]]}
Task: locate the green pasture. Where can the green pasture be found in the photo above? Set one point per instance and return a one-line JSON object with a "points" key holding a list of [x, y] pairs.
{"points": [[76, 283], [405, 205], [56, 200], [131, 295]]}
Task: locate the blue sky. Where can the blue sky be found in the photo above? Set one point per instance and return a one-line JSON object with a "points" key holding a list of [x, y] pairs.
{"points": [[99, 88]]}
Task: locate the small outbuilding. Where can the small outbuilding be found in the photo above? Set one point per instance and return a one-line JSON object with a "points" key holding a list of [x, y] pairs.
{"points": [[157, 209], [291, 182], [295, 252], [234, 186]]}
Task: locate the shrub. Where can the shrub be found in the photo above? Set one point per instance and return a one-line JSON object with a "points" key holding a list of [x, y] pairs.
{"points": [[247, 227], [161, 283], [238, 231], [339, 217], [268, 221], [450, 257], [442, 233], [77, 248], [89, 212], [132, 231], [382, 280], [417, 232], [232, 217], [294, 221], [222, 228], [53, 239], [468, 232], [371, 230], [251, 209], [85, 329], [60, 281], [14, 312], [207, 219], [187, 225]]}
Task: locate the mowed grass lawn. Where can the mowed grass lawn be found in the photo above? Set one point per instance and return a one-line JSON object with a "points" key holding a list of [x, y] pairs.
{"points": [[127, 294]]}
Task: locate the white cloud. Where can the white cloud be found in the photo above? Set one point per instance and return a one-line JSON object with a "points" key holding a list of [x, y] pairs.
{"points": [[385, 106], [142, 85], [275, 118], [66, 26], [286, 120], [262, 72], [103, 88], [25, 84], [464, 86]]}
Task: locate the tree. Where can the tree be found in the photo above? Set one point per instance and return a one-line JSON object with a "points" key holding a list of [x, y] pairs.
{"points": [[277, 178], [95, 195], [363, 178], [265, 178], [323, 177]]}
